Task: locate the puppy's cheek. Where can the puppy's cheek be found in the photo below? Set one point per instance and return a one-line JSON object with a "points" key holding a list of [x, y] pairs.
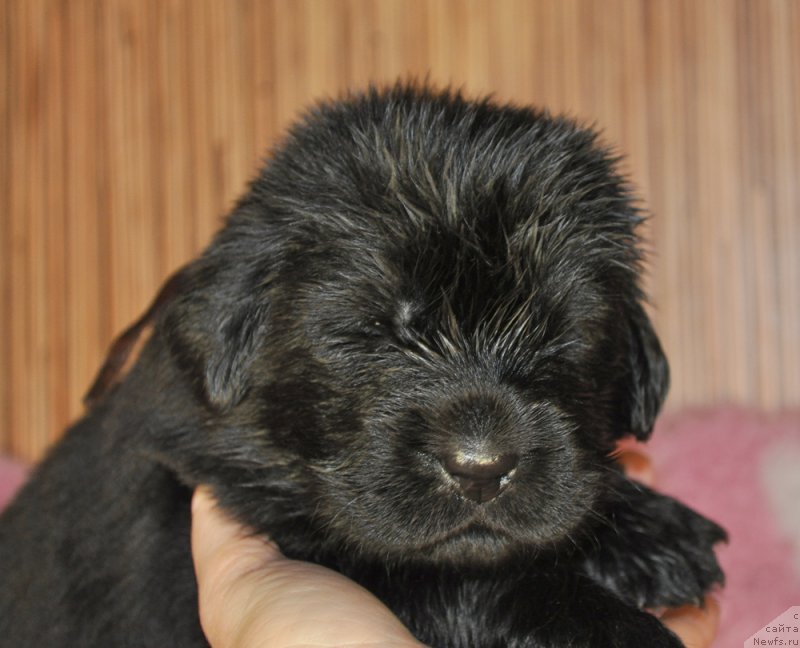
{"points": [[387, 501], [556, 514], [308, 418]]}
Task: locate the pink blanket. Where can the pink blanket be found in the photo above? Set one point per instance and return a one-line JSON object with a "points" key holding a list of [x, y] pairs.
{"points": [[12, 475], [742, 469]]}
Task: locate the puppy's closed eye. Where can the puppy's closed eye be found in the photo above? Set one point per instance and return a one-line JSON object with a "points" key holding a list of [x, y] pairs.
{"points": [[374, 327], [409, 321], [402, 326]]}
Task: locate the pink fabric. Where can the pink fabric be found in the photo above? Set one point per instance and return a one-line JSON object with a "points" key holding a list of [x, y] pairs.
{"points": [[740, 468], [12, 476]]}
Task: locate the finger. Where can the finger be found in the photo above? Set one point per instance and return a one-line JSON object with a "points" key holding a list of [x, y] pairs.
{"points": [[696, 626], [215, 536], [637, 465]]}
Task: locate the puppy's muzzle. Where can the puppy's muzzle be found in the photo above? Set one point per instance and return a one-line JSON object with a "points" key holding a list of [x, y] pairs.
{"points": [[480, 478], [478, 443]]}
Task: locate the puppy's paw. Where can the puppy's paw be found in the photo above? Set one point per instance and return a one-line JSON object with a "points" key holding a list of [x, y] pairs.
{"points": [[605, 620], [643, 630], [656, 552]]}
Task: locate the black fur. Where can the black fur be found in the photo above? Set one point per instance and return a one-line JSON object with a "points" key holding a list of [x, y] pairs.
{"points": [[412, 276]]}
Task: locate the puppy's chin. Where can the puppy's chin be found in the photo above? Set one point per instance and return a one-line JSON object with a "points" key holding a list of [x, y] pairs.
{"points": [[479, 540], [474, 545]]}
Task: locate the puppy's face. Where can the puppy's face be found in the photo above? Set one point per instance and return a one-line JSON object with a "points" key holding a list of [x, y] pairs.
{"points": [[421, 331]]}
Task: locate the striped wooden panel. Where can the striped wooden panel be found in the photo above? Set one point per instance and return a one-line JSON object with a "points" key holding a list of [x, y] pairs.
{"points": [[129, 127]]}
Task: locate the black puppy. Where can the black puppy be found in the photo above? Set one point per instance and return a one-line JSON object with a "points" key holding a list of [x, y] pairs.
{"points": [[408, 356]]}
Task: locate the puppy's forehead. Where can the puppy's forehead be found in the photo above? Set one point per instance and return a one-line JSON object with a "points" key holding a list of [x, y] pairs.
{"points": [[425, 187], [413, 167]]}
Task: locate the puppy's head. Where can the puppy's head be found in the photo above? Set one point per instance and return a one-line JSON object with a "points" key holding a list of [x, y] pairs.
{"points": [[421, 332]]}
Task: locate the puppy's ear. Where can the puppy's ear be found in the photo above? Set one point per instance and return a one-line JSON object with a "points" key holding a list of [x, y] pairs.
{"points": [[122, 347], [647, 380], [215, 331]]}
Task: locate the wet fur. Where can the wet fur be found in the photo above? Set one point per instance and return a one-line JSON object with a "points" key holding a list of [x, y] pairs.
{"points": [[411, 274]]}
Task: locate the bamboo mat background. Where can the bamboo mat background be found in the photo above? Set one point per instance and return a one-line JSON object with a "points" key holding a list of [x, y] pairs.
{"points": [[128, 127]]}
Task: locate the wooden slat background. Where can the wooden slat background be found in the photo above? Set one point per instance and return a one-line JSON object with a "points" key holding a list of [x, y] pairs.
{"points": [[128, 127]]}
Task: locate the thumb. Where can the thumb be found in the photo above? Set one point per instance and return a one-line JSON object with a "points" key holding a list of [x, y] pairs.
{"points": [[228, 563]]}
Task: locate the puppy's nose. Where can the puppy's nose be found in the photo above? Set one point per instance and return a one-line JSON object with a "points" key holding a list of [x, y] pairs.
{"points": [[480, 478]]}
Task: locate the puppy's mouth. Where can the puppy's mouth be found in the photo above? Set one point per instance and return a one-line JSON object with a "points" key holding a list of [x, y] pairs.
{"points": [[474, 540]]}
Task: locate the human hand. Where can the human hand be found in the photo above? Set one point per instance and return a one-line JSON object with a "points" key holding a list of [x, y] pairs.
{"points": [[253, 597]]}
